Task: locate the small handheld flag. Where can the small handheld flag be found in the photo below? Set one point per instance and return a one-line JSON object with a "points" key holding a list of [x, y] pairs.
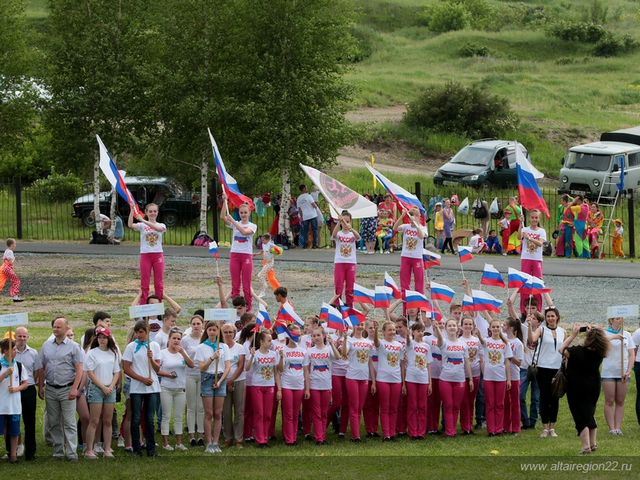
{"points": [[363, 295], [383, 297], [430, 259], [288, 314], [213, 248], [389, 282], [467, 304], [262, 318], [284, 332], [534, 286], [417, 300], [482, 301], [516, 278], [464, 253], [441, 292], [491, 276], [334, 318]]}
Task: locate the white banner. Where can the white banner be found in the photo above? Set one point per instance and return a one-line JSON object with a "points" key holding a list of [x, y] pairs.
{"points": [[149, 310], [623, 311], [227, 315], [14, 319]]}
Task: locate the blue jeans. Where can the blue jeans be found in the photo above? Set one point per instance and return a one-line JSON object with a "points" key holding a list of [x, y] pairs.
{"points": [[304, 232], [636, 369], [530, 419], [150, 401], [480, 402]]}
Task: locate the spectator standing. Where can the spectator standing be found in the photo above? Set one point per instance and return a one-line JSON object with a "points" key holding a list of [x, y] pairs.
{"points": [[307, 207]]}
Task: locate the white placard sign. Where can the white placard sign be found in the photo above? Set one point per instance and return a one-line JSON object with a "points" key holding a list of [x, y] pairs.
{"points": [[14, 319], [623, 311], [227, 315], [148, 310]]}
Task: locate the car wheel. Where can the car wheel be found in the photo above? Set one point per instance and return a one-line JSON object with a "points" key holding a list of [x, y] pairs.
{"points": [[171, 219], [87, 219]]}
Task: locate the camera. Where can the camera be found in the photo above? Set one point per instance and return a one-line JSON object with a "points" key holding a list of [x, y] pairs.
{"points": [[583, 329]]}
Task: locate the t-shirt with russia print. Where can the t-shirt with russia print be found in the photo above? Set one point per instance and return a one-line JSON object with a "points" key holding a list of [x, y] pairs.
{"points": [[320, 360], [495, 354], [359, 352], [453, 355], [418, 357], [389, 356], [474, 354], [411, 242], [345, 247], [150, 238], [264, 368]]}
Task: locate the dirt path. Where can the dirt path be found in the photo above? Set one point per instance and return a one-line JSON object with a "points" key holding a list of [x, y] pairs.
{"points": [[370, 114]]}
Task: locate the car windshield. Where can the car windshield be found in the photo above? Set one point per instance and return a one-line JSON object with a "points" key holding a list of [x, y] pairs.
{"points": [[588, 161], [473, 156], [175, 188]]}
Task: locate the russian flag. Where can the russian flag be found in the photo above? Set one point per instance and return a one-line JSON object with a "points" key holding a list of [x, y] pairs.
{"points": [[399, 194], [516, 278], [213, 248], [415, 299], [350, 315], [262, 318], [229, 184], [491, 276], [465, 254], [528, 190], [284, 332], [383, 297], [430, 259], [534, 286], [363, 295], [389, 282], [288, 314], [116, 180], [324, 312], [334, 318], [467, 304], [441, 292], [482, 301]]}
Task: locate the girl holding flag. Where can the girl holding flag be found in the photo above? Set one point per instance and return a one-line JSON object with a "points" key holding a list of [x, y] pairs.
{"points": [[151, 256], [292, 380], [344, 270], [416, 385], [358, 350], [532, 237], [317, 381], [241, 255], [412, 245]]}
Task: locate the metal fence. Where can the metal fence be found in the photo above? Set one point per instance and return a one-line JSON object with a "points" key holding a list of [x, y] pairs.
{"points": [[32, 214]]}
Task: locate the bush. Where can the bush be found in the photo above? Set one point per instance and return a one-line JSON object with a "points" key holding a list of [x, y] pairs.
{"points": [[55, 187], [587, 32], [611, 46], [446, 17], [471, 49], [366, 42], [456, 108]]}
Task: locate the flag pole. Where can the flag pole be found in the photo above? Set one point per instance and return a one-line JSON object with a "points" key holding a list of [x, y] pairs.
{"points": [[218, 348], [146, 321], [462, 269]]}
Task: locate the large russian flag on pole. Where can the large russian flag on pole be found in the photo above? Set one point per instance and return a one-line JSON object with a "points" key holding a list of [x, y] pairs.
{"points": [[229, 184], [528, 190], [389, 282], [116, 180], [483, 301], [399, 194], [415, 299], [441, 292], [491, 276], [430, 259], [363, 295]]}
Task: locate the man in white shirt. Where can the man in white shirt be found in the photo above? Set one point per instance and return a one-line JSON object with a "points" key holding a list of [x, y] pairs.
{"points": [[308, 216]]}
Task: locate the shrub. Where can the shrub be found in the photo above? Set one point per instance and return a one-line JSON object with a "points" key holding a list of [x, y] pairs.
{"points": [[55, 187], [446, 17], [465, 110], [587, 32], [366, 42], [611, 46], [471, 49]]}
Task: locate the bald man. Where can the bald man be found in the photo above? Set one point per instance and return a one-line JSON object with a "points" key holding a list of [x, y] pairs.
{"points": [[62, 362], [32, 365]]}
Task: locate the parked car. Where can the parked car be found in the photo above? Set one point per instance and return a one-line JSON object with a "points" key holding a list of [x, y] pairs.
{"points": [[482, 164], [594, 167], [175, 204]]}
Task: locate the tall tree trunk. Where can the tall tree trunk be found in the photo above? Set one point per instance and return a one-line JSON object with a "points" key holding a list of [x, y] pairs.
{"points": [[112, 212], [204, 179], [284, 226], [96, 194]]}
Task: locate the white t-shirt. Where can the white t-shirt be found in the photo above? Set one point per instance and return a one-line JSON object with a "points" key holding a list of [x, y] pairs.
{"points": [[305, 205], [247, 354], [104, 365], [162, 339], [453, 355], [436, 356], [636, 340], [8, 255], [264, 368], [548, 349], [618, 231], [305, 342], [266, 250], [243, 243], [11, 403], [529, 250], [476, 243], [295, 359], [359, 351], [611, 363], [235, 353], [140, 365], [390, 354], [150, 239], [173, 362], [473, 344], [411, 243], [517, 348], [155, 325], [320, 360], [190, 345], [495, 352], [338, 366], [204, 352], [418, 356], [345, 247]]}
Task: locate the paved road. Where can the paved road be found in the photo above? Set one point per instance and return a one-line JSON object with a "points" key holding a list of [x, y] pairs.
{"points": [[552, 266]]}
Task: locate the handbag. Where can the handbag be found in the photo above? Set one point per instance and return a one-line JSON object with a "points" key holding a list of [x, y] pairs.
{"points": [[559, 381], [532, 370]]}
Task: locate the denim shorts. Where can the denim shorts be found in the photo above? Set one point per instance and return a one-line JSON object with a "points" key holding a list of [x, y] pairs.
{"points": [[13, 424], [96, 395], [617, 380], [206, 386], [126, 388]]}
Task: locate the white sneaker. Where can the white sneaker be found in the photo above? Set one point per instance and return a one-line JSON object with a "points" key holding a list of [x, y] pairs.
{"points": [[98, 447], [209, 448], [217, 448], [121, 441], [20, 449], [181, 447], [5, 457], [168, 448]]}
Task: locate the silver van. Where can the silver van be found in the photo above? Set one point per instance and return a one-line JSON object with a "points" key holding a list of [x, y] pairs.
{"points": [[594, 169]]}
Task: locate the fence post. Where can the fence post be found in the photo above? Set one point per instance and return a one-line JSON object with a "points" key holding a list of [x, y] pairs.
{"points": [[632, 229], [18, 185], [419, 192], [214, 207]]}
